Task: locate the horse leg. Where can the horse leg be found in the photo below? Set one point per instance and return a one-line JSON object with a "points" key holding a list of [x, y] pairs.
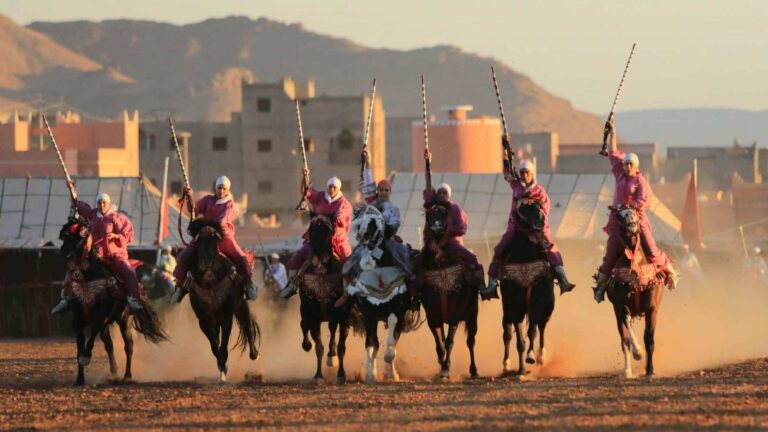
{"points": [[393, 334], [541, 356], [507, 337], [319, 349], [106, 339], [521, 371], [439, 334], [532, 332], [332, 361], [306, 345], [625, 344], [85, 357], [223, 354], [650, 330], [341, 375], [371, 349], [80, 340], [211, 331], [637, 352], [446, 372], [471, 324], [125, 331]]}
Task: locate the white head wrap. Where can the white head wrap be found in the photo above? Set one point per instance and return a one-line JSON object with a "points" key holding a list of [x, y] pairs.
{"points": [[224, 180], [528, 165], [275, 256], [446, 187], [757, 250], [335, 181], [631, 157], [103, 197]]}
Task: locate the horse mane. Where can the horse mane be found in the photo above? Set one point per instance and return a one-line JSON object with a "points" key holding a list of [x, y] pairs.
{"points": [[196, 225], [72, 227]]}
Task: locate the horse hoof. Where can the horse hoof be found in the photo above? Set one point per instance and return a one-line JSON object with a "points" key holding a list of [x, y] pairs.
{"points": [[222, 377], [318, 380], [445, 374], [650, 377], [389, 356], [306, 346], [520, 377], [370, 380], [507, 365], [79, 383], [529, 358], [255, 354], [83, 360], [332, 361], [541, 357], [628, 374], [341, 380], [637, 355]]}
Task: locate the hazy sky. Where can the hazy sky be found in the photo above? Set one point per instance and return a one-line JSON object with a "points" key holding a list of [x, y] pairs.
{"points": [[691, 53]]}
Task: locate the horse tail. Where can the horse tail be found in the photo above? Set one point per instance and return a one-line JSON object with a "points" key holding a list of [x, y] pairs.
{"points": [[249, 328], [412, 320], [147, 322], [356, 321]]}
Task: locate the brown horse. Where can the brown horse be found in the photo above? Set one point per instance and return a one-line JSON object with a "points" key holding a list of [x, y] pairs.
{"points": [[98, 302], [635, 288], [447, 293], [216, 294], [320, 285], [527, 288]]}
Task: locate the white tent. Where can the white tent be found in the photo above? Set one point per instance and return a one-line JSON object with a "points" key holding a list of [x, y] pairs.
{"points": [[579, 205], [32, 210]]}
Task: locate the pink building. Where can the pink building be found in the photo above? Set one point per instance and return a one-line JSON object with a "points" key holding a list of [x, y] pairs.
{"points": [[95, 149]]}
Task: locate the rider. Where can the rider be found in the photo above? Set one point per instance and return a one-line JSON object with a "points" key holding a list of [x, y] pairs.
{"points": [[166, 264], [332, 204], [452, 240], [220, 208], [525, 186], [111, 232], [631, 189], [277, 270]]}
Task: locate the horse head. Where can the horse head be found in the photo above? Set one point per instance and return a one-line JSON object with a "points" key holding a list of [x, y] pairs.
{"points": [[530, 215], [76, 238], [321, 230], [628, 219], [207, 233], [368, 226], [436, 216]]}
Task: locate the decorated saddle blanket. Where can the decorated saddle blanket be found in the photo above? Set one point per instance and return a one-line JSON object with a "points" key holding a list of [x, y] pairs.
{"points": [[445, 279], [525, 274], [379, 285], [321, 287], [639, 278], [87, 292]]}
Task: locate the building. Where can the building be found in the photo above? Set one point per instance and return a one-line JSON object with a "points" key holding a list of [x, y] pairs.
{"points": [[718, 166], [399, 153], [584, 158], [258, 149], [544, 146], [93, 149], [459, 143]]}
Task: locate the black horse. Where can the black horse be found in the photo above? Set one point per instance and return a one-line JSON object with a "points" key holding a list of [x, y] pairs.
{"points": [[216, 294], [379, 286], [527, 287], [97, 302], [320, 286], [448, 294]]}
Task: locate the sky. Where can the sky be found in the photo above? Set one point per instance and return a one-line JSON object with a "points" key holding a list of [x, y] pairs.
{"points": [[690, 53]]}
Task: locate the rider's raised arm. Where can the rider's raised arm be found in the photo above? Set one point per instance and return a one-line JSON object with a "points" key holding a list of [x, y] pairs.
{"points": [[84, 209], [367, 185]]}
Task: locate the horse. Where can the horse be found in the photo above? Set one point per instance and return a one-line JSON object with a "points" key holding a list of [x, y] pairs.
{"points": [[635, 288], [379, 287], [216, 292], [447, 294], [527, 288], [98, 301], [320, 286]]}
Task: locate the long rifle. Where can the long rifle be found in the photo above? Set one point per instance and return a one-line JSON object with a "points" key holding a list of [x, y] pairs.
{"points": [[607, 128], [366, 132], [509, 155], [427, 155], [72, 191], [190, 205], [303, 205]]}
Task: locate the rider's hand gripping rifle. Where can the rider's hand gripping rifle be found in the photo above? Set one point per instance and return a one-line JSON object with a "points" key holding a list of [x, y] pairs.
{"points": [[303, 205], [509, 155], [608, 122]]}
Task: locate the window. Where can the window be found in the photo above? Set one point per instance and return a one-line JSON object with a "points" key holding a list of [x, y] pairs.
{"points": [[309, 145], [176, 187], [264, 187], [264, 146], [263, 105], [346, 141], [219, 143]]}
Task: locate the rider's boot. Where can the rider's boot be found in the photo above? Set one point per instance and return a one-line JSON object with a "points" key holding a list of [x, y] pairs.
{"points": [[251, 291], [133, 304], [181, 289], [62, 306], [672, 277], [601, 282], [479, 278], [290, 289], [562, 280], [492, 292], [342, 301]]}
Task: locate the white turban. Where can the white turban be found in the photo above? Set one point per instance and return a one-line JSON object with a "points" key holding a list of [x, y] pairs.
{"points": [[528, 165], [631, 157], [275, 256], [223, 180], [446, 187], [103, 197], [335, 181]]}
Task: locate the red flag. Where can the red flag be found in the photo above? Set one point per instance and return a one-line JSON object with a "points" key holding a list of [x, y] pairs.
{"points": [[690, 226]]}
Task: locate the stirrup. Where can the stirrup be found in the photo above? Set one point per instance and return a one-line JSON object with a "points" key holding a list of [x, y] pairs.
{"points": [[133, 304]]}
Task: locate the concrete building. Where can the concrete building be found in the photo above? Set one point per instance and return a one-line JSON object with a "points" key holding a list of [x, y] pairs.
{"points": [[93, 149], [718, 166], [259, 150], [544, 146], [584, 158], [399, 153], [458, 143]]}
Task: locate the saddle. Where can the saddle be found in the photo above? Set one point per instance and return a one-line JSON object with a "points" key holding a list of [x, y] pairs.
{"points": [[379, 285], [639, 274]]}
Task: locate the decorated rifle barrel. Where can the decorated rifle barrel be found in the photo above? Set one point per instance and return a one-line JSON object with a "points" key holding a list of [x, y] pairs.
{"points": [[178, 152], [424, 112], [604, 150], [498, 99], [58, 154], [305, 180], [370, 117]]}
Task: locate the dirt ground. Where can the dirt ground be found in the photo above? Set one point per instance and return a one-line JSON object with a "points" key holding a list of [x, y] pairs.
{"points": [[36, 392]]}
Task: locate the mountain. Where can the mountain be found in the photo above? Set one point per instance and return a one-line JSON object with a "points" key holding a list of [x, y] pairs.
{"points": [[694, 127], [194, 69]]}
